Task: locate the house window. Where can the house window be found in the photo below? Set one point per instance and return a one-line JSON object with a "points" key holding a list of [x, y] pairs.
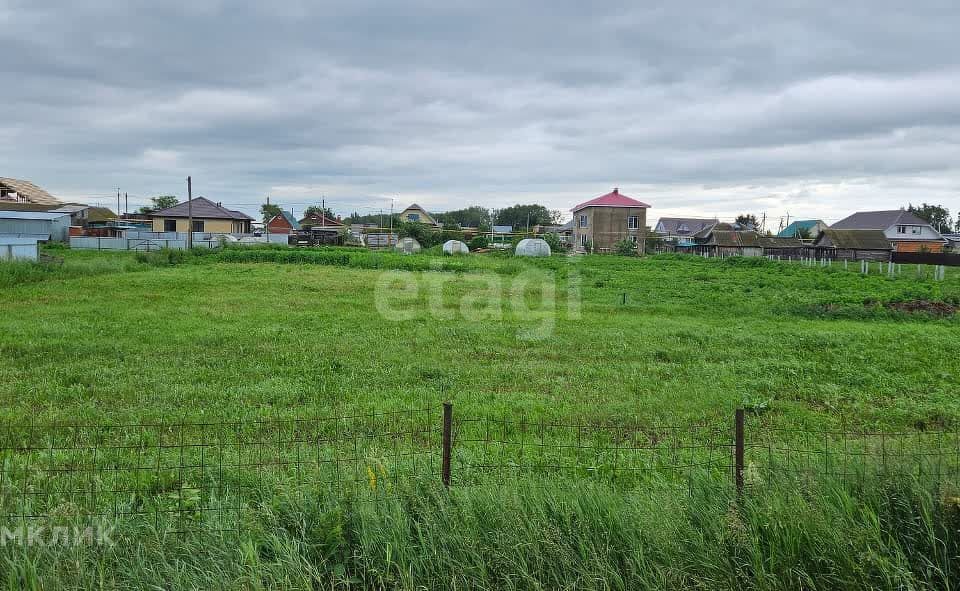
{"points": [[198, 225], [169, 225], [583, 239], [683, 229], [583, 221], [909, 230], [633, 238], [633, 222], [413, 217]]}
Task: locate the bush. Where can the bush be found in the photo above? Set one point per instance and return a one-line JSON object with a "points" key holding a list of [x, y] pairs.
{"points": [[422, 233], [478, 242], [554, 241], [625, 248]]}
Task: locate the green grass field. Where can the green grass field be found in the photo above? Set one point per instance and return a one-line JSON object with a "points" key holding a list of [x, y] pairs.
{"points": [[126, 341], [638, 345]]}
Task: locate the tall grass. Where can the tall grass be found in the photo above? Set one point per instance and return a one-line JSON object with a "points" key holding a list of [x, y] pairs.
{"points": [[13, 273], [892, 534]]}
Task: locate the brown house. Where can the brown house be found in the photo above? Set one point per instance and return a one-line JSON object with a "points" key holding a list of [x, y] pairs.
{"points": [[283, 223], [603, 222], [852, 245]]}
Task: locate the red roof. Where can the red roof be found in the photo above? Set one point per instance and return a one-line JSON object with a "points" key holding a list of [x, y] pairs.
{"points": [[611, 199]]}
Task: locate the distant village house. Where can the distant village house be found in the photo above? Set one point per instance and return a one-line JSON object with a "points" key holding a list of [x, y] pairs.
{"points": [[905, 231], [603, 222], [417, 214], [207, 217]]}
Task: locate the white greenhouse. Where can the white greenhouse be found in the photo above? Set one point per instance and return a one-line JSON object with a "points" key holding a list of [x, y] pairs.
{"points": [[532, 247], [408, 246], [455, 247]]}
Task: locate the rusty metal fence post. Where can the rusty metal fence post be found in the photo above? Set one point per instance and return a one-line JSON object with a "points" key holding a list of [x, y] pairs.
{"points": [[447, 442], [738, 451]]}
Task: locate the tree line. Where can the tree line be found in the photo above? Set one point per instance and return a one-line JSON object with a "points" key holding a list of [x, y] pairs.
{"points": [[523, 216]]}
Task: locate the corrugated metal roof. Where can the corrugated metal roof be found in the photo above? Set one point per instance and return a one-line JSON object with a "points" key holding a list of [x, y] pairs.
{"points": [[791, 230], [29, 191], [31, 215]]}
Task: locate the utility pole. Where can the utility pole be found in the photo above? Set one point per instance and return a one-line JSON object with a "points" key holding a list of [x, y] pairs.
{"points": [[126, 205], [763, 224], [190, 213], [118, 200], [390, 234]]}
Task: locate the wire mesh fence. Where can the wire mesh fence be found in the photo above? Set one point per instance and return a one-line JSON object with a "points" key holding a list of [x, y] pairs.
{"points": [[190, 476], [206, 475], [851, 456], [498, 449]]}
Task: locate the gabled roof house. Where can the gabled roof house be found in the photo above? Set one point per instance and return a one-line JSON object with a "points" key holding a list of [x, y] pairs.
{"points": [[283, 223], [855, 245], [905, 231], [207, 217], [673, 229], [415, 213]]}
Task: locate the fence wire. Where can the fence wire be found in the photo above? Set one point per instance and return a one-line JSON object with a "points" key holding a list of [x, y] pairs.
{"points": [[206, 475], [190, 476]]}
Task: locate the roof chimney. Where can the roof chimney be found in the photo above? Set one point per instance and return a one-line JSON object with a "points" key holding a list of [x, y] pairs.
{"points": [[616, 191]]}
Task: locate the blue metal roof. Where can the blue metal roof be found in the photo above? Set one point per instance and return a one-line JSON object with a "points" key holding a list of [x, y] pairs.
{"points": [[291, 220], [31, 215], [791, 230]]}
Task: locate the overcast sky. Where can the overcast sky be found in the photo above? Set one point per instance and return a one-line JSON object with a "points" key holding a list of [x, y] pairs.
{"points": [[700, 108]]}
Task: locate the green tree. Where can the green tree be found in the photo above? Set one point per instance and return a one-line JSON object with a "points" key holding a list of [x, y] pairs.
{"points": [[426, 235], [519, 216], [935, 215], [451, 231], [316, 209], [372, 218], [159, 202], [553, 240], [269, 211], [748, 221], [470, 217], [479, 241]]}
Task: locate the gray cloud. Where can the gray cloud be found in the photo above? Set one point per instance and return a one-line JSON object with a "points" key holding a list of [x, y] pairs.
{"points": [[691, 106]]}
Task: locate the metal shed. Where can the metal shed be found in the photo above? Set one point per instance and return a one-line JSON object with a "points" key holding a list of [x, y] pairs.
{"points": [[19, 248], [56, 225]]}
